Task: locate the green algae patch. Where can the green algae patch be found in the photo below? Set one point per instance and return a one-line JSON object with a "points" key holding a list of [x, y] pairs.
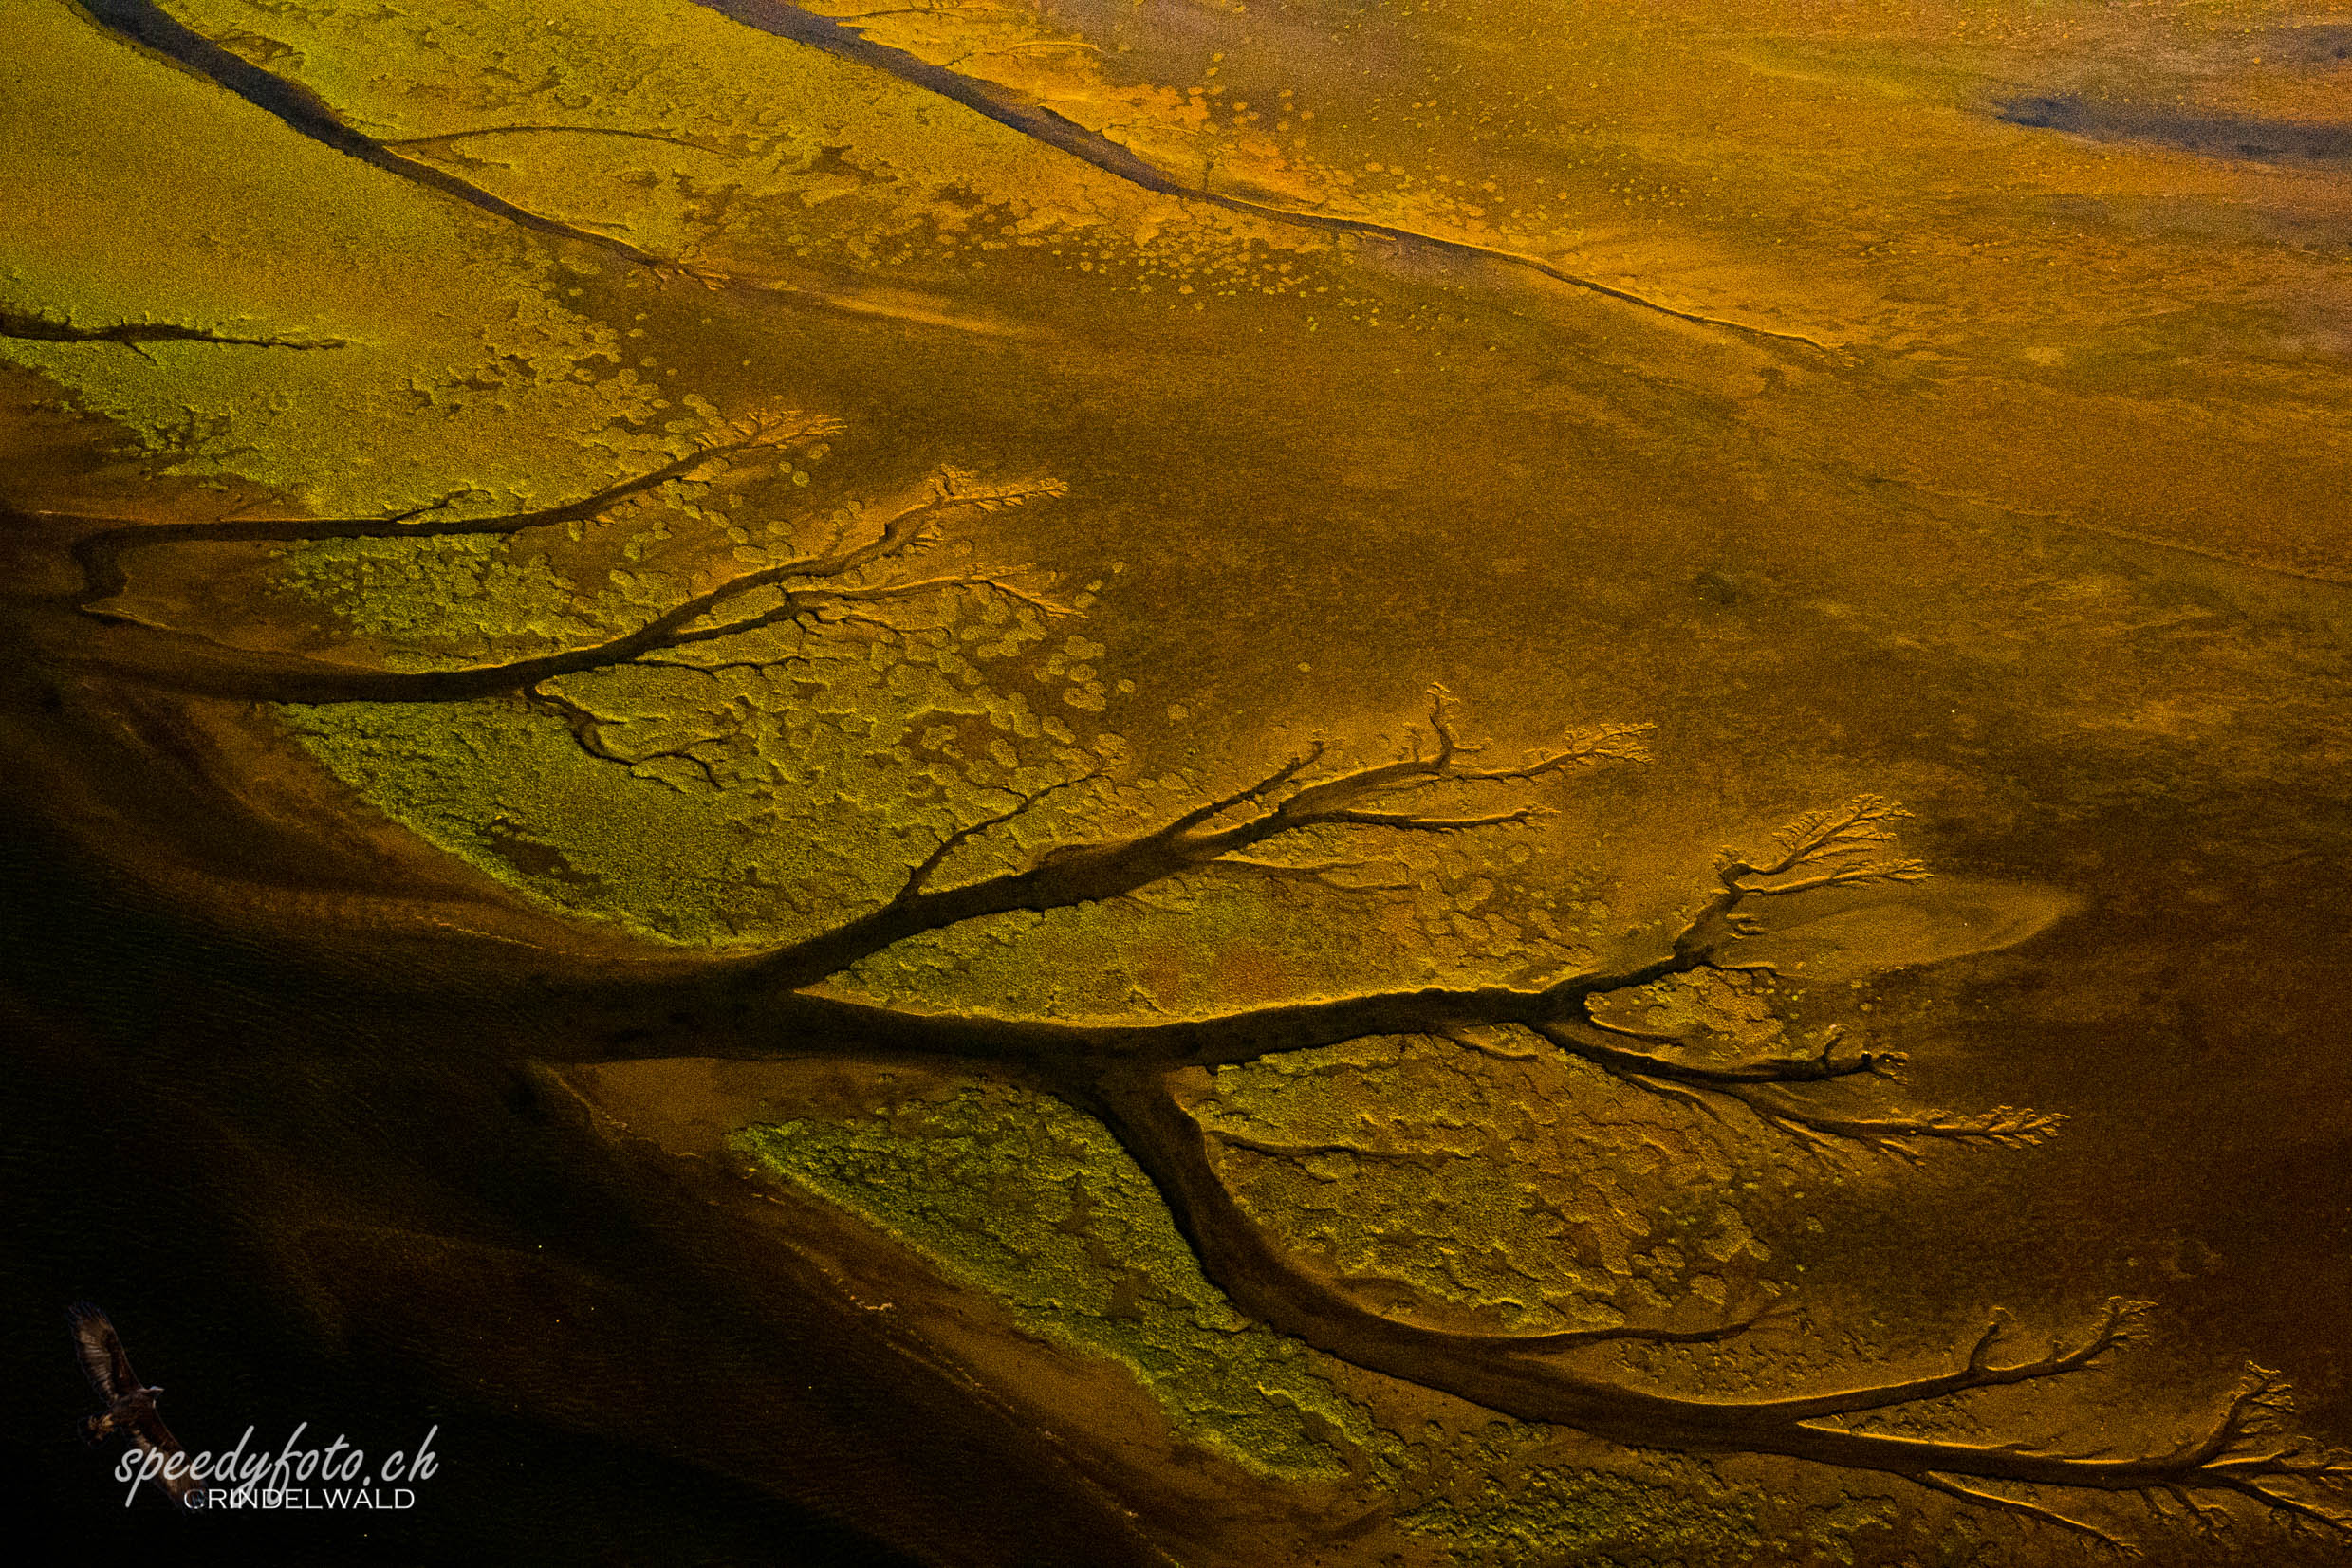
{"points": [[1035, 1204], [1524, 1515], [412, 593], [438, 355], [507, 791], [751, 804]]}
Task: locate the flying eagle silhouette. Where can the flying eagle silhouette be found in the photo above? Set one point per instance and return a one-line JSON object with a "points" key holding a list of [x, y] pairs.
{"points": [[130, 1404]]}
